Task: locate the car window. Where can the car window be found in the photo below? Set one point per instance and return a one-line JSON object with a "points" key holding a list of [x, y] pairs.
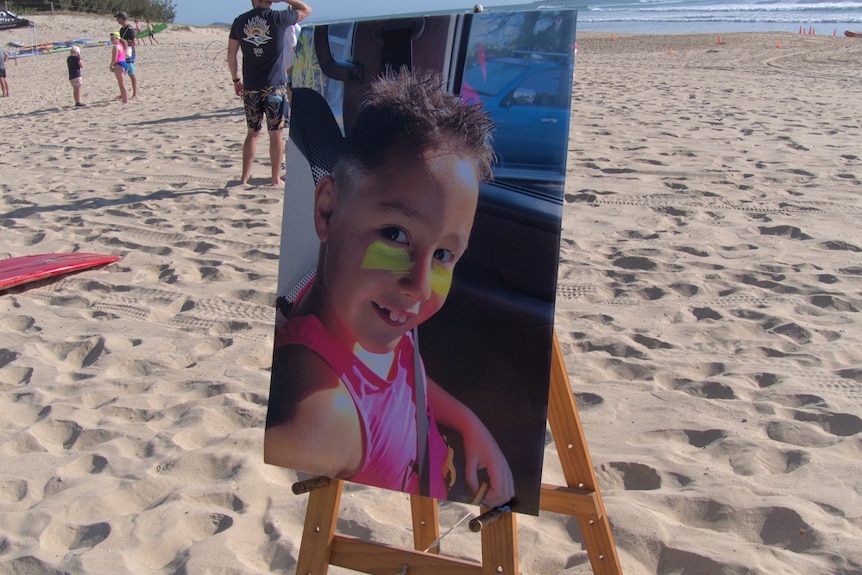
{"points": [[519, 66], [490, 78], [540, 89]]}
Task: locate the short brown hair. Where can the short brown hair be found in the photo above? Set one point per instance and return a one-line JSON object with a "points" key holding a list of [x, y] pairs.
{"points": [[407, 112]]}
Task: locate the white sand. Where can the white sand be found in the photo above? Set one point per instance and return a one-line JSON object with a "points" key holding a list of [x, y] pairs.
{"points": [[709, 307]]}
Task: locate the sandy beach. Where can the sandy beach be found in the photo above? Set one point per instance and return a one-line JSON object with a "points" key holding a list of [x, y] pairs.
{"points": [[709, 307]]}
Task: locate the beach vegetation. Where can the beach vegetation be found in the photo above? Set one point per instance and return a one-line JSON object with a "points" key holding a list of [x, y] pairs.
{"points": [[155, 10]]}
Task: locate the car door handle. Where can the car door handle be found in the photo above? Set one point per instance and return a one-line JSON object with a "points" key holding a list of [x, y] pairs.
{"points": [[549, 120]]}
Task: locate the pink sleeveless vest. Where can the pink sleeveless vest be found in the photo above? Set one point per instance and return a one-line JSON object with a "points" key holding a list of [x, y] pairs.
{"points": [[386, 409]]}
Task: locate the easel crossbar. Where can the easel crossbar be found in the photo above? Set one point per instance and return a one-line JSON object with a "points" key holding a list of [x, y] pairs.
{"points": [[581, 503], [382, 559]]}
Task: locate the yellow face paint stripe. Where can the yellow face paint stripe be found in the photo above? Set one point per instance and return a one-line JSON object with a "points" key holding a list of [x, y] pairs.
{"points": [[441, 280], [380, 256]]}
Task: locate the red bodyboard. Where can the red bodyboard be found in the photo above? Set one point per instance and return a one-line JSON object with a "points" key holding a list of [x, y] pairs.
{"points": [[17, 271]]}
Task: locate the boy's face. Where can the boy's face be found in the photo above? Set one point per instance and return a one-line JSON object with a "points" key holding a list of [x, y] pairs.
{"points": [[390, 246]]}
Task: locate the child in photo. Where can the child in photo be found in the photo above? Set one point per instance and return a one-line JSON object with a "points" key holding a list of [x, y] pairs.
{"points": [[393, 219]]}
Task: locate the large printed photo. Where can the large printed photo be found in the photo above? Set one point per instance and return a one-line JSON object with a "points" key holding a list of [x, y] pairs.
{"points": [[422, 210]]}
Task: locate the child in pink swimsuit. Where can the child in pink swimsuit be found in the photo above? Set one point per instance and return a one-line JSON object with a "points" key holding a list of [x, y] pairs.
{"points": [[393, 219], [118, 64]]}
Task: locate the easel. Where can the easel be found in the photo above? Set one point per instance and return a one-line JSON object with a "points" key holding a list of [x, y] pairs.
{"points": [[321, 546]]}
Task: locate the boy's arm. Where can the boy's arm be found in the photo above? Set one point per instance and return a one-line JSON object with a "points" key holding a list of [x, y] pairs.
{"points": [[312, 424], [481, 450]]}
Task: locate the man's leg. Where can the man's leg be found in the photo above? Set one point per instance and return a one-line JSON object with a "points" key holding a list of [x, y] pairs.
{"points": [[134, 85], [248, 148], [276, 155]]}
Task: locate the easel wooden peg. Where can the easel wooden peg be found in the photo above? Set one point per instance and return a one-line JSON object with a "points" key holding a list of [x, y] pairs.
{"points": [[487, 518], [309, 485]]}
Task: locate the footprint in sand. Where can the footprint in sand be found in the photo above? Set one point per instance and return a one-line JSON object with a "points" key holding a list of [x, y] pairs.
{"points": [[697, 387], [791, 232], [7, 356], [62, 536], [800, 434], [832, 303], [75, 354], [703, 438], [839, 424], [13, 490], [629, 476], [758, 460]]}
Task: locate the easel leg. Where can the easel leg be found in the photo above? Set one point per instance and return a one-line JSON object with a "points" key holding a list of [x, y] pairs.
{"points": [[317, 535], [426, 525], [500, 546], [578, 467]]}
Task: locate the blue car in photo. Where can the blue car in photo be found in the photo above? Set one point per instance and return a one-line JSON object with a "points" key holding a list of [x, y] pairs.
{"points": [[529, 98]]}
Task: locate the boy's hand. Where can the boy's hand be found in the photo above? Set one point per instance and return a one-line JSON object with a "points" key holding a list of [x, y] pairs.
{"points": [[482, 452]]}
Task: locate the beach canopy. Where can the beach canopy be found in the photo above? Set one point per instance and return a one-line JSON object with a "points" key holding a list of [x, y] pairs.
{"points": [[8, 20]]}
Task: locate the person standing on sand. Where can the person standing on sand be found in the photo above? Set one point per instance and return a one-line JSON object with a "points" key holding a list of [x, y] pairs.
{"points": [[119, 65], [74, 63], [3, 83], [151, 34], [127, 33], [260, 34]]}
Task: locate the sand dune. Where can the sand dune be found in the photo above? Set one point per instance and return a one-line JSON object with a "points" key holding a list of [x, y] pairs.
{"points": [[708, 305]]}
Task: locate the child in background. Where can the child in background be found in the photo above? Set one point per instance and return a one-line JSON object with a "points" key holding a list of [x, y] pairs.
{"points": [[150, 33], [75, 64], [393, 219], [118, 64], [4, 84]]}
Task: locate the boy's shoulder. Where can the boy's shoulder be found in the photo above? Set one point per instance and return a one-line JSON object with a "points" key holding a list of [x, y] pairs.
{"points": [[306, 389], [302, 367]]}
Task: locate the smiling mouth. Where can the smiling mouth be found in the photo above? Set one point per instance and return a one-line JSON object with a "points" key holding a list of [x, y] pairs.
{"points": [[396, 317]]}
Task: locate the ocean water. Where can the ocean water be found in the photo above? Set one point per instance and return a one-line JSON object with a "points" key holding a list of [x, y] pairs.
{"points": [[687, 16]]}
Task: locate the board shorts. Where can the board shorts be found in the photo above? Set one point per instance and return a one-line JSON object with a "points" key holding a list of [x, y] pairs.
{"points": [[2, 72], [130, 67], [270, 102]]}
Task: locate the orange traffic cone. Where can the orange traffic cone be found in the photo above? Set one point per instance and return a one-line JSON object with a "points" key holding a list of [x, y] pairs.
{"points": [[778, 44], [671, 51], [612, 38], [800, 28], [720, 41]]}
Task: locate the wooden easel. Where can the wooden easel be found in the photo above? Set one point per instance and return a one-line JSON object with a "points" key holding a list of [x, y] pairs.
{"points": [[321, 546]]}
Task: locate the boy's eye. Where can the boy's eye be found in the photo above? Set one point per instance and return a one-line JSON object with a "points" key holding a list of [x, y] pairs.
{"points": [[444, 256], [394, 234]]}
